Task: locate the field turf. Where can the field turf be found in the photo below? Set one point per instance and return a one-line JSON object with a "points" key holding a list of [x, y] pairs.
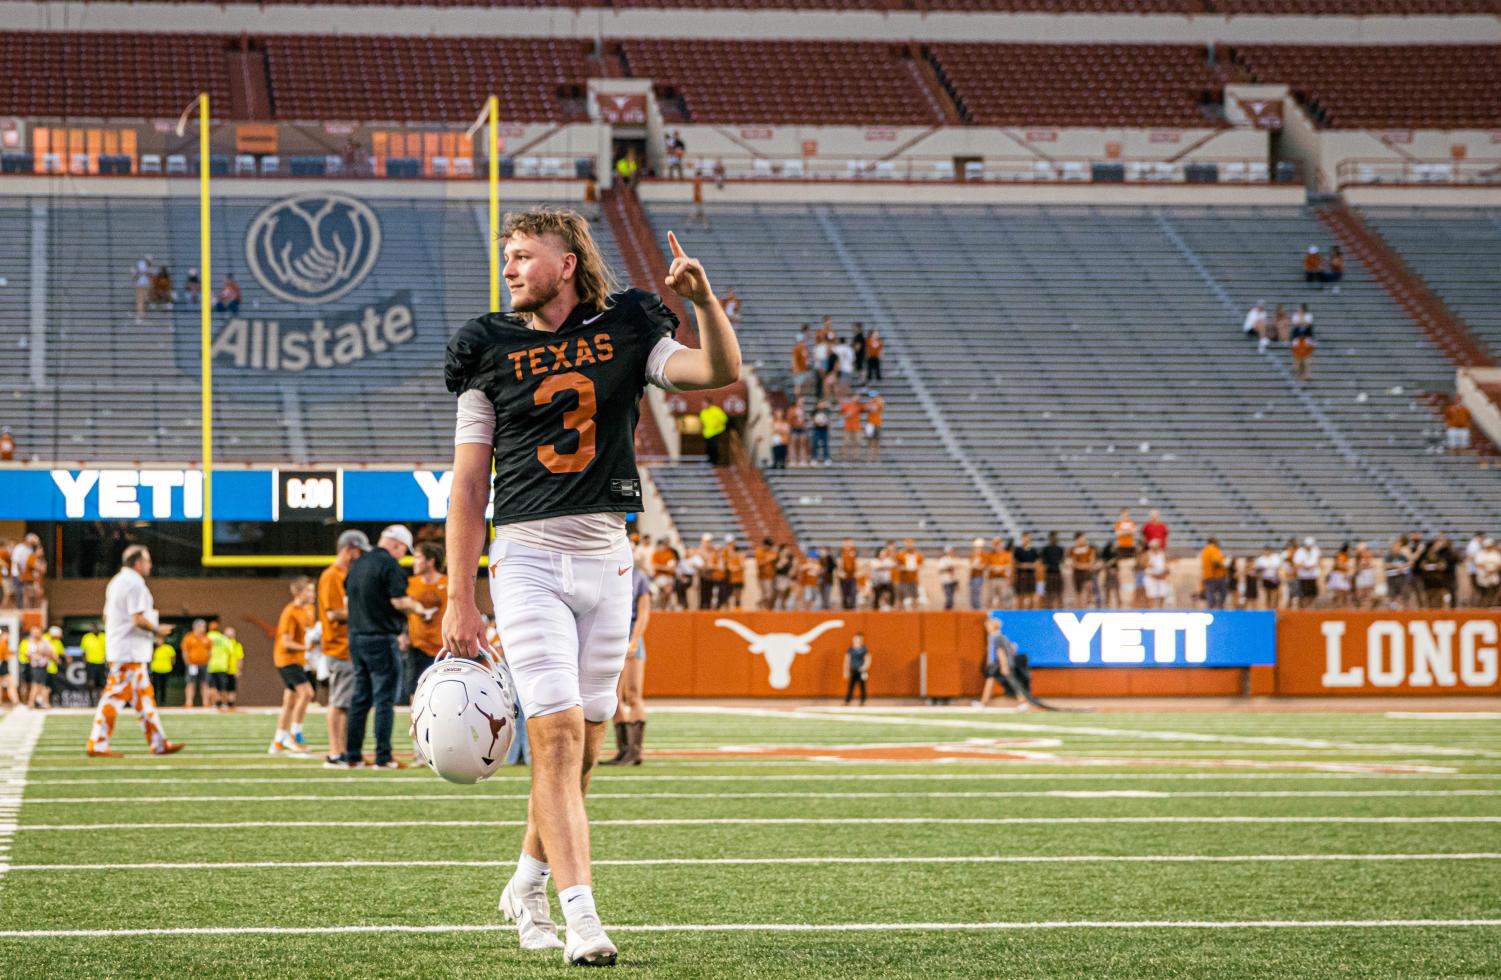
{"points": [[893, 841]]}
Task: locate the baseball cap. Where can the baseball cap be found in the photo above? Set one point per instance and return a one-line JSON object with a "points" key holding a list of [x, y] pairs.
{"points": [[979, 542], [398, 532], [353, 538], [55, 631]]}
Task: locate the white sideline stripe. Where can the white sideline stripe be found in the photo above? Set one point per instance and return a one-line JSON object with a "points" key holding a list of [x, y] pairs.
{"points": [[836, 714], [665, 862], [19, 731], [761, 821], [772, 927], [1055, 794], [834, 776], [1446, 715]]}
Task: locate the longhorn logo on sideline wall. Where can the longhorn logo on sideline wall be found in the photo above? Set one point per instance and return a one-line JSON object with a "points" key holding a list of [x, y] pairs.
{"points": [[313, 248], [779, 649]]}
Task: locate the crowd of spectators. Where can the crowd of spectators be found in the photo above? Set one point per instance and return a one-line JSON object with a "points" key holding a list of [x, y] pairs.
{"points": [[1128, 567], [833, 375]]}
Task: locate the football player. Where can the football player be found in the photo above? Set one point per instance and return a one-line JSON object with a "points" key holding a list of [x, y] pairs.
{"points": [[550, 395]]}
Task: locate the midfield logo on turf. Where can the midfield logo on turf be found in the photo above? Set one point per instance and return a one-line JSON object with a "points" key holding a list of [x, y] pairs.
{"points": [[779, 649]]}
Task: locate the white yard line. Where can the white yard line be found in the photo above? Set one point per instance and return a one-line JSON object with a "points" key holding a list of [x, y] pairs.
{"points": [[468, 798], [418, 775], [667, 862], [772, 927], [765, 821], [19, 731], [835, 714]]}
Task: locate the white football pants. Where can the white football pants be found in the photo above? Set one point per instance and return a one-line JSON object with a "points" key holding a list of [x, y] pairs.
{"points": [[564, 621]]}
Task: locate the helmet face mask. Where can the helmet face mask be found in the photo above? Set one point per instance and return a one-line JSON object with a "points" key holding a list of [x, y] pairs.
{"points": [[464, 717]]}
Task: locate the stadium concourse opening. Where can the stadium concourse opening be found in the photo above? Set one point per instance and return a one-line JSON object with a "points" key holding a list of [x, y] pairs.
{"points": [[997, 487]]}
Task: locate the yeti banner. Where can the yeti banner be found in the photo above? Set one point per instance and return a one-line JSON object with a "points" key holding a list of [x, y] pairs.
{"points": [[325, 294]]}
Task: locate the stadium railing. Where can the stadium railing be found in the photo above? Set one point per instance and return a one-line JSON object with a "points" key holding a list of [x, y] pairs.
{"points": [[1450, 171]]}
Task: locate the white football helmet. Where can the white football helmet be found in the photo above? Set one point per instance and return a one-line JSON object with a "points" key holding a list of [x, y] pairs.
{"points": [[464, 716]]}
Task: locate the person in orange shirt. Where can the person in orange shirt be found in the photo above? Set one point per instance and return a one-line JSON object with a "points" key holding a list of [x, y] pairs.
{"points": [[846, 573], [979, 563], [7, 584], [908, 563], [334, 611], [428, 586], [1215, 574], [1456, 426], [875, 411], [1313, 266], [809, 570], [1000, 575], [288, 654], [734, 574], [766, 574], [800, 375], [873, 347], [34, 581], [664, 570], [196, 649], [852, 409], [8, 693]]}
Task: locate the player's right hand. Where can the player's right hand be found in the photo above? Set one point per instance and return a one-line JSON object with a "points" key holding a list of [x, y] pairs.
{"points": [[463, 629]]}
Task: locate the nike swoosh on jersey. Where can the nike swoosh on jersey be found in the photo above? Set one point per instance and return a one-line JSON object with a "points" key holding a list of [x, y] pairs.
{"points": [[623, 570], [591, 319]]}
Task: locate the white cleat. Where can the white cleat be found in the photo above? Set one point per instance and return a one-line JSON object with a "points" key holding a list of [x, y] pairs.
{"points": [[589, 946], [532, 916]]}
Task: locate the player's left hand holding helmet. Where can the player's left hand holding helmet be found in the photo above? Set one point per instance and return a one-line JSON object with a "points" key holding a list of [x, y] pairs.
{"points": [[464, 716]]}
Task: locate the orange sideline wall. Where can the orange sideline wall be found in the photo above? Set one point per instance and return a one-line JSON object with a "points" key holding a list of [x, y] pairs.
{"points": [[1420, 653], [690, 654]]}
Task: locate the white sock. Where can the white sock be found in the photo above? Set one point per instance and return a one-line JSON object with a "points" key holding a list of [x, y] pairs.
{"points": [[532, 873], [578, 904], [296, 730], [282, 736]]}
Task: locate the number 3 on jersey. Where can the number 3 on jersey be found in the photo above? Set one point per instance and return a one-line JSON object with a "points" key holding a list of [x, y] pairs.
{"points": [[580, 420]]}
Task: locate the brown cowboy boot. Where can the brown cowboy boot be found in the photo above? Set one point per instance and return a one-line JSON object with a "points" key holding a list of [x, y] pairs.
{"points": [[637, 732], [622, 745]]}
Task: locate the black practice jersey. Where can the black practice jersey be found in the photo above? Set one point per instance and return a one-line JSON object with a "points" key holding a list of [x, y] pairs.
{"points": [[566, 403]]}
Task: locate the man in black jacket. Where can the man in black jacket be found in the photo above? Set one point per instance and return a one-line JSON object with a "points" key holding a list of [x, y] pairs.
{"points": [[378, 604]]}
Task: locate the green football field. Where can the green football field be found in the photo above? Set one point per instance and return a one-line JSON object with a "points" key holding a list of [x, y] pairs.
{"points": [[772, 842]]}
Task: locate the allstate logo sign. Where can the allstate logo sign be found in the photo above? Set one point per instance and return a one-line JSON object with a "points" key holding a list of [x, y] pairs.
{"points": [[313, 248]]}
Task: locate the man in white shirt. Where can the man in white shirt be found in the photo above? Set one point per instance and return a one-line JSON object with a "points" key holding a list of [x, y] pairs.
{"points": [[131, 628], [1306, 568], [1255, 324], [1472, 550]]}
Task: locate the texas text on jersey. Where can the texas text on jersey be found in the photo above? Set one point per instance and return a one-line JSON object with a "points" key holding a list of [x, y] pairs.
{"points": [[566, 403]]}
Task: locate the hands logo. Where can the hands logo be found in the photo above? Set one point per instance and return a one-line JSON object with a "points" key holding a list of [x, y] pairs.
{"points": [[313, 248]]}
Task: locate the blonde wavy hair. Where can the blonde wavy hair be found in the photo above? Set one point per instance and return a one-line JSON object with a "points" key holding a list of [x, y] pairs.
{"points": [[592, 278]]}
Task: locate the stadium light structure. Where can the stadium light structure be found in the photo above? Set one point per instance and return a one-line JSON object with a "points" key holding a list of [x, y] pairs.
{"points": [[489, 115]]}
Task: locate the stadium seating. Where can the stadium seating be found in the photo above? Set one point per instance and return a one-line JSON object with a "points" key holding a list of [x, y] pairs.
{"points": [[1085, 365], [1080, 84], [92, 75], [1454, 250], [813, 82], [1431, 86], [425, 78]]}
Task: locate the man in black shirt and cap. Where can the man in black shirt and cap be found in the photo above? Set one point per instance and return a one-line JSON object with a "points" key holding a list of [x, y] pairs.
{"points": [[377, 603]]}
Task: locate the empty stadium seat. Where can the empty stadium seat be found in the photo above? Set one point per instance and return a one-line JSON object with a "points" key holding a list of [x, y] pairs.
{"points": [[1428, 86]]}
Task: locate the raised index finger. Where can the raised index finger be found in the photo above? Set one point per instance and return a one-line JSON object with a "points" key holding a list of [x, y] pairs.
{"points": [[677, 250]]}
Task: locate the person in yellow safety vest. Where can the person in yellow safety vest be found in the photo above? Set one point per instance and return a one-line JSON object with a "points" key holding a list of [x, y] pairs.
{"points": [[232, 674], [218, 666], [162, 659], [96, 670], [713, 421]]}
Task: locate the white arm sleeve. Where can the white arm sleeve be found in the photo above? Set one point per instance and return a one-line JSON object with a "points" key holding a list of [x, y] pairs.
{"points": [[656, 363], [476, 422]]}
